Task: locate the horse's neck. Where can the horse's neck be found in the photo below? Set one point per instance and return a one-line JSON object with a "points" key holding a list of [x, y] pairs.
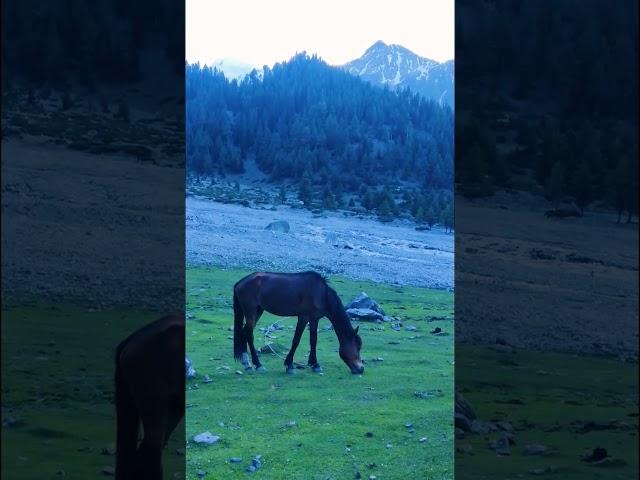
{"points": [[341, 325]]}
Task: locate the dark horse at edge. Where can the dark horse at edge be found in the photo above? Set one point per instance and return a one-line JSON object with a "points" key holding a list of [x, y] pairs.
{"points": [[304, 295], [149, 390]]}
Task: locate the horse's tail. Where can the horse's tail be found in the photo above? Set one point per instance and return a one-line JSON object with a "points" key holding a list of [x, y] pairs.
{"points": [[128, 423], [238, 333]]}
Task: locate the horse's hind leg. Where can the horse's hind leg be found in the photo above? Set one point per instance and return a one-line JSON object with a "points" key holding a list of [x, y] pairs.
{"points": [[313, 341], [288, 362], [254, 355], [149, 458]]}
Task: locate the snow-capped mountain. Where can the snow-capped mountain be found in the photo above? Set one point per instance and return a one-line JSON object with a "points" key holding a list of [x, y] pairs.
{"points": [[399, 67]]}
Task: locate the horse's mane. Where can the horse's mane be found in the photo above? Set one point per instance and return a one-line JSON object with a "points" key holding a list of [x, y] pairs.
{"points": [[337, 308]]}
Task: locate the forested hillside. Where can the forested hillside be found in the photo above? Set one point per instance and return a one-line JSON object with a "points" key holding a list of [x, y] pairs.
{"points": [[570, 93], [336, 139]]}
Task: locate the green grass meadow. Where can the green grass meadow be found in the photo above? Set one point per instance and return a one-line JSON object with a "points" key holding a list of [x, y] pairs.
{"points": [[549, 398], [255, 413], [57, 391]]}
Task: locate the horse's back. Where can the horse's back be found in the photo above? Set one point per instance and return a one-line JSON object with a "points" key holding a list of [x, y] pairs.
{"points": [[151, 358]]}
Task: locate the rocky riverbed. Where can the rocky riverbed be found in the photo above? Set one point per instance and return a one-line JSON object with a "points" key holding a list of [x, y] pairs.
{"points": [[334, 243]]}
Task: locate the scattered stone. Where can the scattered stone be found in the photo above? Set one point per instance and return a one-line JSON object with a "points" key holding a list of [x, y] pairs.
{"points": [[235, 460], [462, 422], [436, 331], [368, 434], [501, 446], [206, 438], [504, 426], [410, 328], [109, 471], [109, 450], [408, 424], [206, 379], [377, 359], [201, 473], [429, 394], [279, 226], [478, 426], [291, 423], [596, 455], [389, 445], [543, 471], [422, 439], [256, 463], [534, 449], [189, 370], [238, 372], [396, 326]]}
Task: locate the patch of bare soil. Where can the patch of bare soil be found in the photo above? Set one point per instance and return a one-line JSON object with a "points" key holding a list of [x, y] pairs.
{"points": [[75, 226], [567, 285]]}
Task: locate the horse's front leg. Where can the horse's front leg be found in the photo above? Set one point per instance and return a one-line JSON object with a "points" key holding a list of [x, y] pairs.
{"points": [[313, 341], [288, 362]]}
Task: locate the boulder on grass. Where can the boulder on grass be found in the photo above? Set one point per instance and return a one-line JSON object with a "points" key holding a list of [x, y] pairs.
{"points": [[364, 301]]}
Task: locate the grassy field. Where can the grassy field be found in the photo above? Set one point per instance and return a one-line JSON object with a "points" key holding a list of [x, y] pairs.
{"points": [[336, 426], [564, 402], [57, 391]]}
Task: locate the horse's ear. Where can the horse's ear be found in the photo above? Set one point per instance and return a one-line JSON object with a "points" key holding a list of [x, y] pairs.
{"points": [[356, 330]]}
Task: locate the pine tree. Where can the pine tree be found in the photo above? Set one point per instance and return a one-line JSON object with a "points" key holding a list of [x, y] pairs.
{"points": [[304, 191]]}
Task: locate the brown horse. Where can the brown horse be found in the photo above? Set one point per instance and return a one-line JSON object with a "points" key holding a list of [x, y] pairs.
{"points": [[305, 295], [150, 384]]}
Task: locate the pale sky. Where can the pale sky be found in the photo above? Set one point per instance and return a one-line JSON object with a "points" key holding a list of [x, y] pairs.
{"points": [[263, 32]]}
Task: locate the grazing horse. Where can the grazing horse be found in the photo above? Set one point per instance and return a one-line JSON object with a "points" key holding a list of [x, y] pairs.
{"points": [[149, 384], [305, 295]]}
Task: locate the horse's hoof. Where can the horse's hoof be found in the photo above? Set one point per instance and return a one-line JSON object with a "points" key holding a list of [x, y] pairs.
{"points": [[291, 370], [261, 369], [317, 369]]}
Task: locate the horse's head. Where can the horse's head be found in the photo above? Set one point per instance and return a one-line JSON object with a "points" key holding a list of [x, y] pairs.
{"points": [[350, 352]]}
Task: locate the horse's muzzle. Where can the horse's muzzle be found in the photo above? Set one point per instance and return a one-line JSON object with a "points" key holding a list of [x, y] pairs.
{"points": [[357, 370]]}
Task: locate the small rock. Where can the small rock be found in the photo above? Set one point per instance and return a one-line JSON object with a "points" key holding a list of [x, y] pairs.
{"points": [[291, 423], [462, 422], [201, 473], [534, 450], [108, 471], [436, 330], [501, 446], [596, 455], [235, 460], [279, 226], [389, 445], [410, 328], [238, 372], [206, 379], [408, 424], [368, 434], [109, 450], [206, 438], [423, 439], [505, 426]]}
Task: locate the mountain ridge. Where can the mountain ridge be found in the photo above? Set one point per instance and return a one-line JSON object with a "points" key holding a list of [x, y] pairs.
{"points": [[398, 67]]}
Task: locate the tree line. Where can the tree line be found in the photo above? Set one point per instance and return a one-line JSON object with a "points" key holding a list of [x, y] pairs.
{"points": [[337, 140], [568, 74]]}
